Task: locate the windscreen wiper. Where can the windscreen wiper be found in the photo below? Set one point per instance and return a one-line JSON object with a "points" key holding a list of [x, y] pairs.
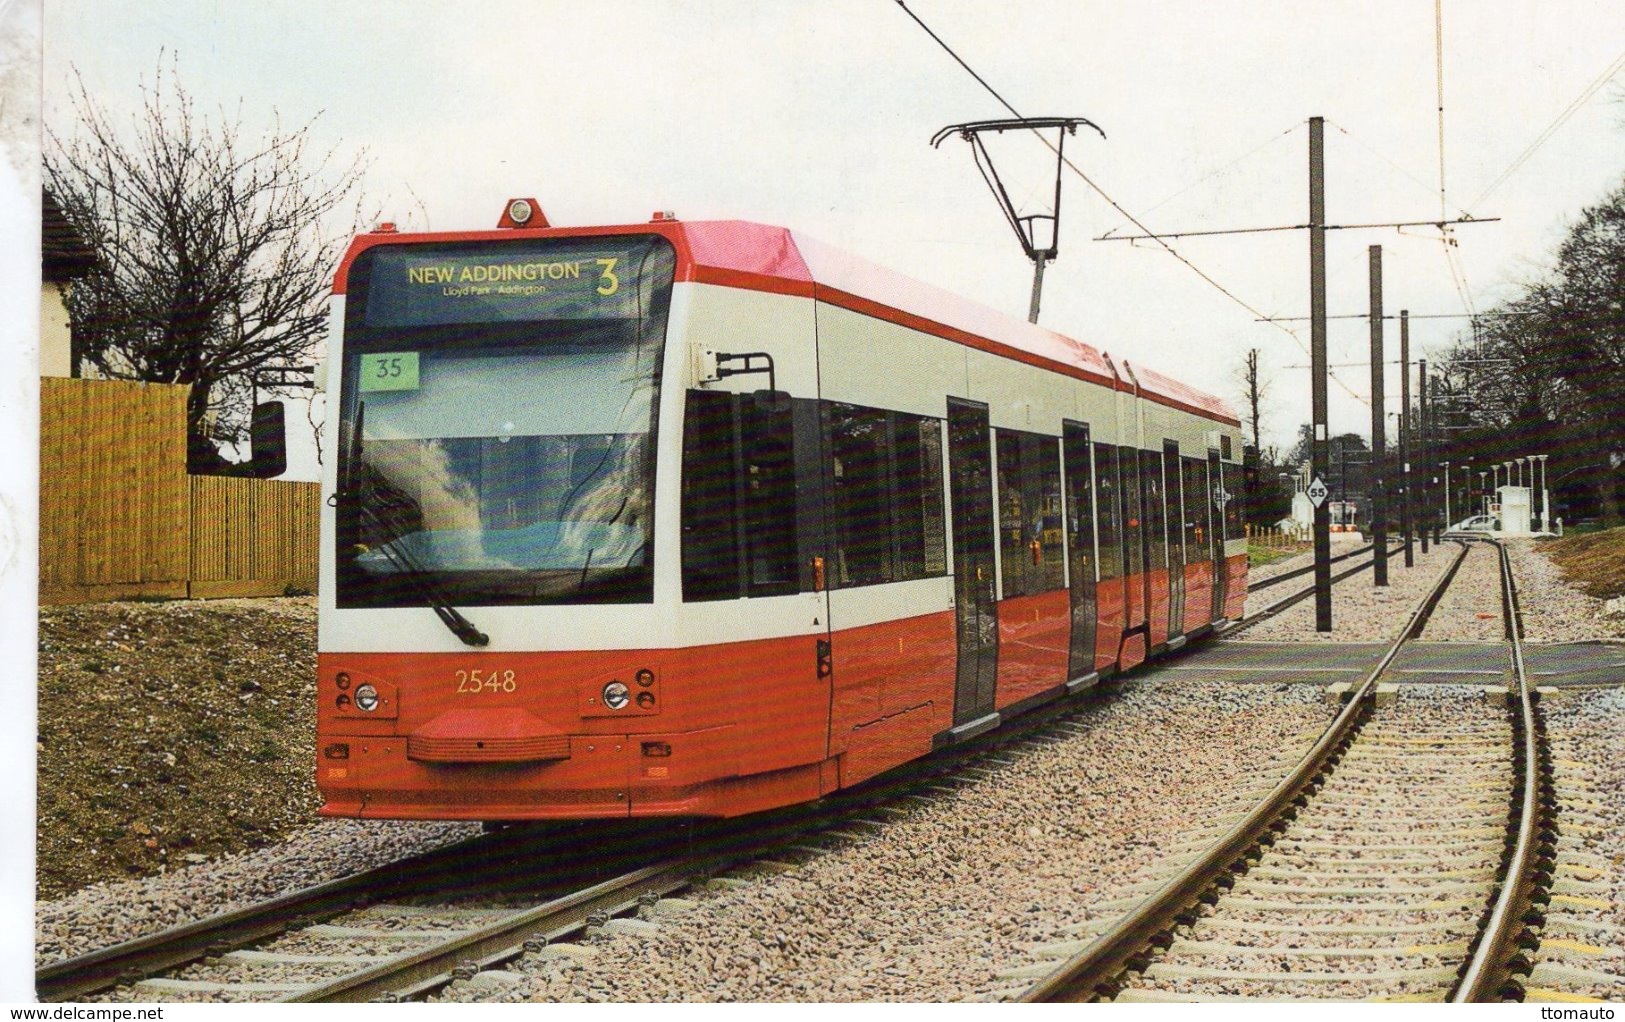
{"points": [[406, 567], [424, 585]]}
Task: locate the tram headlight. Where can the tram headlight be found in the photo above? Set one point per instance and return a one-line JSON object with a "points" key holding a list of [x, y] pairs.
{"points": [[519, 212], [616, 695], [366, 698]]}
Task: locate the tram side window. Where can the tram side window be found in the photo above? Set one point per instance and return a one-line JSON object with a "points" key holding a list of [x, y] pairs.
{"points": [[1012, 548], [885, 473], [1041, 468], [767, 499], [738, 508], [1129, 468], [1234, 521], [1080, 510], [921, 533], [1030, 533], [1155, 508], [710, 552], [1173, 479], [861, 496], [1108, 512], [1196, 505]]}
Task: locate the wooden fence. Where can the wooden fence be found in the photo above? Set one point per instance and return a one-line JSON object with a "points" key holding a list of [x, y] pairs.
{"points": [[120, 517]]}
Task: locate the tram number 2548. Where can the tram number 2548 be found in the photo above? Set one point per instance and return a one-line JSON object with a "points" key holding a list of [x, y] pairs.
{"points": [[476, 680]]}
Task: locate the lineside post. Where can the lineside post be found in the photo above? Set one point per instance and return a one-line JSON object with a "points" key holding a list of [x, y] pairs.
{"points": [[1317, 374], [1379, 430]]}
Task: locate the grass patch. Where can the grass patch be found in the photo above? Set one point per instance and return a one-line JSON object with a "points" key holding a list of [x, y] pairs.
{"points": [[1259, 555], [1594, 561]]}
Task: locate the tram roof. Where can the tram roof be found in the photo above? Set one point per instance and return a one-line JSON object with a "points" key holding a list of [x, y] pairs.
{"points": [[762, 257]]}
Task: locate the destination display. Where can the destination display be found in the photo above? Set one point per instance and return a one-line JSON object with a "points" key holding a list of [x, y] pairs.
{"points": [[576, 278]]}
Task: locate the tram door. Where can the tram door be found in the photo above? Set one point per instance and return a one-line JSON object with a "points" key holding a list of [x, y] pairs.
{"points": [[970, 471], [1215, 516], [1174, 523], [1080, 536]]}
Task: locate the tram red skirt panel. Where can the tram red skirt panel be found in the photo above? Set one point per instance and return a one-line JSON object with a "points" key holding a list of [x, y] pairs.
{"points": [[1112, 617], [890, 668], [1033, 635], [1198, 595], [1235, 593], [1159, 606]]}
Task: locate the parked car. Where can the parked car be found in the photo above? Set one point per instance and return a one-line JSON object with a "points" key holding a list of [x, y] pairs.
{"points": [[1478, 523]]}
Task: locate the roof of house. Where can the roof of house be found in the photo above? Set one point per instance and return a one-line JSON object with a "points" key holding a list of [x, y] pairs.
{"points": [[64, 254]]}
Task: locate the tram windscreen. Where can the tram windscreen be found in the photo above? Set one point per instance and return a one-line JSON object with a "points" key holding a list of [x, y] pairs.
{"points": [[498, 413]]}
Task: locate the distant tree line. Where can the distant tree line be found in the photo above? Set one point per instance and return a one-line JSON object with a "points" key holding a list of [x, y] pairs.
{"points": [[1544, 373]]}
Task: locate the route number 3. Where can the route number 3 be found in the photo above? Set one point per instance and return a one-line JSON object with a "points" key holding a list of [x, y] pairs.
{"points": [[608, 282]]}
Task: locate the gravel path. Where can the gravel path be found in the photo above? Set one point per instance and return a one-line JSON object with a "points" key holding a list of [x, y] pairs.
{"points": [[107, 913], [1554, 610], [936, 904], [1470, 610]]}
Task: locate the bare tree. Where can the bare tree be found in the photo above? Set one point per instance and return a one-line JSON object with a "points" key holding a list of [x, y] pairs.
{"points": [[1254, 390], [215, 247]]}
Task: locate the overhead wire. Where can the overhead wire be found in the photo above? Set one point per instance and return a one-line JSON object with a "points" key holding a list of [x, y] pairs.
{"points": [[1220, 170], [1446, 238], [1357, 140], [1130, 217], [1614, 67]]}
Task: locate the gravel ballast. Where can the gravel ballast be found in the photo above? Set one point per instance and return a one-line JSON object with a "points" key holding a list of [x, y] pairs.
{"points": [[108, 913], [941, 902], [1584, 936]]}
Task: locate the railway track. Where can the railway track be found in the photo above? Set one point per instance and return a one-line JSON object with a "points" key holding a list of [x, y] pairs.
{"points": [[1286, 576], [1386, 865], [1292, 599]]}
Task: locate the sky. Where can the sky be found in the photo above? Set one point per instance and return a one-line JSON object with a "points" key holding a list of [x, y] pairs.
{"points": [[818, 116]]}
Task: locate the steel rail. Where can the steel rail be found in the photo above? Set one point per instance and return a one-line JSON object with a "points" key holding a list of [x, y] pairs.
{"points": [[88, 973], [484, 860], [1089, 973], [421, 971], [1487, 973], [72, 978], [1297, 572]]}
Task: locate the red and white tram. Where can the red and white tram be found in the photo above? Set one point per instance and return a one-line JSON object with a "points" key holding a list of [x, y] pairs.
{"points": [[705, 518]]}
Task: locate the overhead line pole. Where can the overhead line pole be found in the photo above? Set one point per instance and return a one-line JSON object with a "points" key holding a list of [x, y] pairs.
{"points": [[1318, 375], [1405, 432], [1379, 429], [1425, 517]]}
